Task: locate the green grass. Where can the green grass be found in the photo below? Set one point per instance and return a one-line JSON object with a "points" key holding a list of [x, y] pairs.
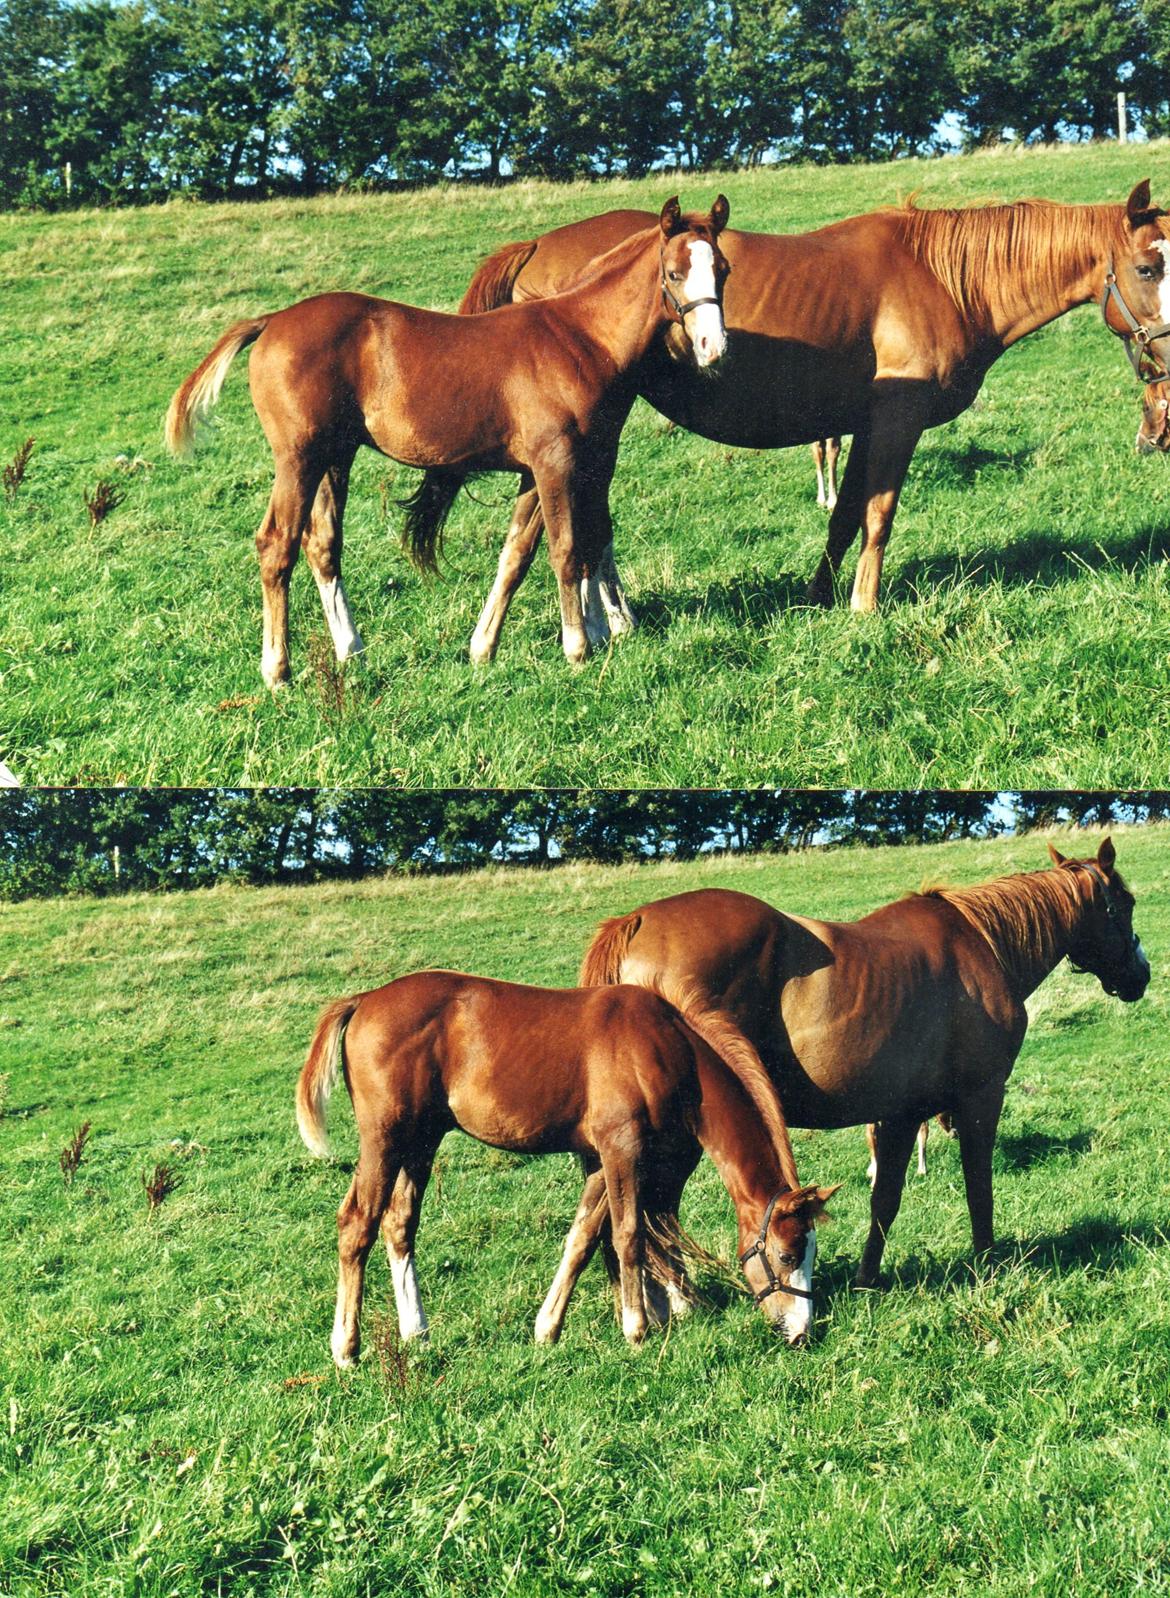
{"points": [[1025, 629], [962, 1433]]}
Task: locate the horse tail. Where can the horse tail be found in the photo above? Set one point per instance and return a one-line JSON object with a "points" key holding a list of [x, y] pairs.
{"points": [[427, 509], [195, 398], [318, 1078], [602, 965], [496, 277]]}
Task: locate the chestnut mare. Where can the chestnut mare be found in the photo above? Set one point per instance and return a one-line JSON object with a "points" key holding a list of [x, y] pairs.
{"points": [[880, 326], [613, 1075], [915, 1009], [541, 389]]}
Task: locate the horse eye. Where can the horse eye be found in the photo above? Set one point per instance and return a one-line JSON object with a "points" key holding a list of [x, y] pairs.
{"points": [[1148, 272], [675, 277]]}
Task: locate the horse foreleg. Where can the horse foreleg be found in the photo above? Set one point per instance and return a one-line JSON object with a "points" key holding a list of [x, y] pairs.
{"points": [[977, 1121], [844, 522], [322, 547], [584, 1236], [515, 558], [663, 1200], [890, 449], [399, 1228], [895, 1139], [613, 596], [625, 1210], [357, 1226], [277, 544], [560, 506], [824, 453]]}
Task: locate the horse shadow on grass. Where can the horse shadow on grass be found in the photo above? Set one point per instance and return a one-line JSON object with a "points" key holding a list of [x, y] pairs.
{"points": [[1018, 1153], [1099, 1244], [1047, 559], [945, 465]]}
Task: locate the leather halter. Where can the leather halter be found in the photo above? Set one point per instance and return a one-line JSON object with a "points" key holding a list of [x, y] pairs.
{"points": [[758, 1250], [1140, 337], [670, 298]]}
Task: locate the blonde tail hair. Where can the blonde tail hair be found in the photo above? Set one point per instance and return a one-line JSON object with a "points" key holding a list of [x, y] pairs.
{"points": [[319, 1074], [194, 401]]}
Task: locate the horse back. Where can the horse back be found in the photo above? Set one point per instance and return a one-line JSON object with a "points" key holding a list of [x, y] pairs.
{"points": [[529, 1069]]}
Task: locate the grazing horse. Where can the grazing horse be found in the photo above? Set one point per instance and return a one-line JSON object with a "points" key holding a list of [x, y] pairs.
{"points": [[1154, 431], [881, 326], [914, 1010], [613, 1075], [542, 389]]}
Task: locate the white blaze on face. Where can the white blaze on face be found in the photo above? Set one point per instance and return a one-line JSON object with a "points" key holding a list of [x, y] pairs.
{"points": [[1163, 248], [798, 1320], [705, 322], [412, 1320]]}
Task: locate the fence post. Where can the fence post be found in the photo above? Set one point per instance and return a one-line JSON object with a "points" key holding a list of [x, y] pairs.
{"points": [[1121, 127]]}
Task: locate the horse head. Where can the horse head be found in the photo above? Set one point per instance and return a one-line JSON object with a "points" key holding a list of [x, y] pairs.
{"points": [[694, 270], [1136, 298], [1154, 433], [778, 1265], [1106, 944]]}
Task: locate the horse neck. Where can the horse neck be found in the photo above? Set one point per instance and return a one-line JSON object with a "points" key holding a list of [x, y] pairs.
{"points": [[1030, 921], [1012, 268], [617, 303], [731, 1132]]}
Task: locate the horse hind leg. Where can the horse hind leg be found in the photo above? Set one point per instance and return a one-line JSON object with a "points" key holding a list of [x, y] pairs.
{"points": [[278, 541], [399, 1229], [516, 557], [322, 547], [357, 1226]]}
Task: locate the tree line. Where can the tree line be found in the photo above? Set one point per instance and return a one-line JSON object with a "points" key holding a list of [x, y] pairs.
{"points": [[128, 101], [100, 841]]}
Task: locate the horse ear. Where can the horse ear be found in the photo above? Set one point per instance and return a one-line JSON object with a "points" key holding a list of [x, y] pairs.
{"points": [[1106, 855], [671, 219], [1057, 858], [720, 211], [1138, 207]]}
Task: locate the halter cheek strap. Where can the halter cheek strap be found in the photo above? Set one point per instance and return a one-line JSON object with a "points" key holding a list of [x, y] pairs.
{"points": [[670, 298], [1139, 337], [758, 1250]]}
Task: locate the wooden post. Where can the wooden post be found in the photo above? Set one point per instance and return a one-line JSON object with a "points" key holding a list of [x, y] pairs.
{"points": [[1121, 127], [68, 179]]}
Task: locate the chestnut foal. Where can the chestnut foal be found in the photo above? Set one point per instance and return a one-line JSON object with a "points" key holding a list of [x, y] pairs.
{"points": [[611, 1074], [541, 389]]}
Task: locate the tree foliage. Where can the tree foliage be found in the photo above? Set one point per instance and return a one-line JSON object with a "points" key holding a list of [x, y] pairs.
{"points": [[140, 99], [108, 841]]}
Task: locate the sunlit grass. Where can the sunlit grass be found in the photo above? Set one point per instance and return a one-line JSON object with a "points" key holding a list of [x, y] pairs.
{"points": [[169, 1418], [1023, 642]]}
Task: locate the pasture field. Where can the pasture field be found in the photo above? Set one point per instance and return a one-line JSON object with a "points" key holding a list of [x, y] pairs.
{"points": [[170, 1422], [1026, 623]]}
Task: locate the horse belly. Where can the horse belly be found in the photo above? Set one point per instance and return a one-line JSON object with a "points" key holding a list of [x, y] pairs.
{"points": [[765, 394]]}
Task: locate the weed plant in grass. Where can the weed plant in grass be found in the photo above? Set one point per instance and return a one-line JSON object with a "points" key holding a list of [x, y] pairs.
{"points": [[1023, 642], [170, 1421]]}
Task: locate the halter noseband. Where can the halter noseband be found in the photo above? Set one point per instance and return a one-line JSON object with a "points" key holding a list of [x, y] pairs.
{"points": [[670, 298], [758, 1250], [1139, 337]]}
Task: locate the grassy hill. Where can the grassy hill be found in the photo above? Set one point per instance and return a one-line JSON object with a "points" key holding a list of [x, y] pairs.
{"points": [[169, 1418], [1023, 640]]}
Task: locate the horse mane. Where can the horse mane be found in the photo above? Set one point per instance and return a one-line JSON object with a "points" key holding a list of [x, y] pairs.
{"points": [[1024, 917], [971, 249]]}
